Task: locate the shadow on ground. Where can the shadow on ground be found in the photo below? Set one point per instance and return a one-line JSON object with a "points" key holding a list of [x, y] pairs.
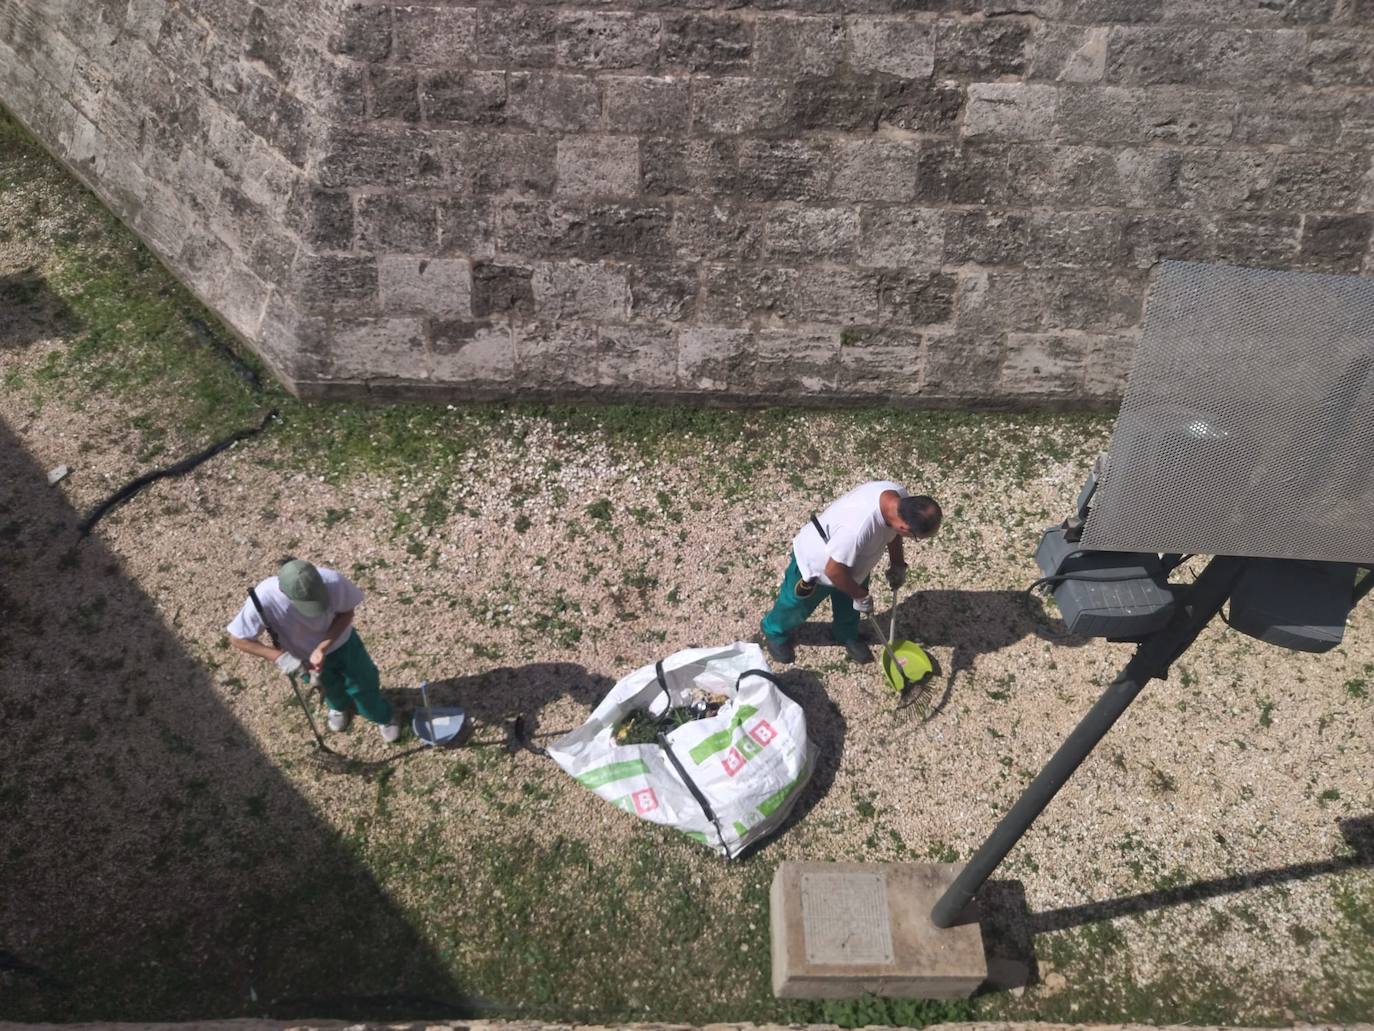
{"points": [[494, 698], [1010, 928], [968, 623], [156, 865], [30, 310]]}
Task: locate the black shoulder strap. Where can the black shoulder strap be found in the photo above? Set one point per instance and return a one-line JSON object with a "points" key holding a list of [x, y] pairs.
{"points": [[696, 792], [825, 537], [759, 673], [272, 634]]}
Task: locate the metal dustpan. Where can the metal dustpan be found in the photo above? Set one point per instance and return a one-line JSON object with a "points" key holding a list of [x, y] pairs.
{"points": [[441, 727]]}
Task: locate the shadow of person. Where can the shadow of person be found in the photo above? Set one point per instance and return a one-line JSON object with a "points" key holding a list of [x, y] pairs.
{"points": [[157, 864], [31, 311], [971, 624]]}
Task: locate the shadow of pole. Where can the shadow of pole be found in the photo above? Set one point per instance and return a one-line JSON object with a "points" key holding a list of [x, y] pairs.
{"points": [[156, 865], [1359, 836], [1010, 928]]}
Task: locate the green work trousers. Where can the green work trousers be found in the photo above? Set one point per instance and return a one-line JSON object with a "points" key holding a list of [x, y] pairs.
{"points": [[350, 680], [791, 609]]}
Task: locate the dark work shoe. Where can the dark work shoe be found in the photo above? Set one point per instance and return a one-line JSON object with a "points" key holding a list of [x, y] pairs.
{"points": [[858, 652], [781, 651]]}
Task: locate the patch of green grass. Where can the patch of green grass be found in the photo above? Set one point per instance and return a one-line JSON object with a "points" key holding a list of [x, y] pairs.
{"points": [[941, 852], [872, 1010], [1357, 688], [639, 578], [559, 622], [1349, 960], [600, 510]]}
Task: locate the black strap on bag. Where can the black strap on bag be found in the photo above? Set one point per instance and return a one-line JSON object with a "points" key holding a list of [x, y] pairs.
{"points": [[760, 673], [663, 683], [825, 537], [696, 792], [661, 675], [682, 770]]}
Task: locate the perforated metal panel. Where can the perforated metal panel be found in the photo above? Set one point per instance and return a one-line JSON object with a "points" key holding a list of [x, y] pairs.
{"points": [[1248, 422]]}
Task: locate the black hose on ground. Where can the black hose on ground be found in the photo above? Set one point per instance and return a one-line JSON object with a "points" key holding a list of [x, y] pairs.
{"points": [[176, 469]]}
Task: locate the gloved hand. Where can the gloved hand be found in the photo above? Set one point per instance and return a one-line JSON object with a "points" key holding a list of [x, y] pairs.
{"points": [[288, 663], [864, 605], [896, 576]]}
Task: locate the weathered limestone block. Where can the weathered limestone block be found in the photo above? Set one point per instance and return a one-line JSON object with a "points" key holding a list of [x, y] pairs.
{"points": [[598, 166], [875, 362], [1010, 111], [566, 353], [477, 351], [635, 357], [789, 200], [425, 286], [1049, 364], [581, 290], [713, 359]]}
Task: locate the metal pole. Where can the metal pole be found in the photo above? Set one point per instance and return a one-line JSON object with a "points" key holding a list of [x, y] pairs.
{"points": [[1151, 660]]}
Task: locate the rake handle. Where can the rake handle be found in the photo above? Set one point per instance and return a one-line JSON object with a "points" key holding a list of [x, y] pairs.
{"points": [[887, 647]]}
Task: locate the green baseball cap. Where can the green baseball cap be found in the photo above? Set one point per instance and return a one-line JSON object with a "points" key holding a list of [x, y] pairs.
{"points": [[303, 586]]}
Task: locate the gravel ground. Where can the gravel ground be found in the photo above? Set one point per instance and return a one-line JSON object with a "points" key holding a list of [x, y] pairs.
{"points": [[554, 563]]}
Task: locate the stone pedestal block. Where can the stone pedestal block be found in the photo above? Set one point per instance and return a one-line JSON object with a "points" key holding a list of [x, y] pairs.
{"points": [[840, 930]]}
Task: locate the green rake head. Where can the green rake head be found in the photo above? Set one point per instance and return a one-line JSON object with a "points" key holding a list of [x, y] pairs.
{"points": [[910, 677]]}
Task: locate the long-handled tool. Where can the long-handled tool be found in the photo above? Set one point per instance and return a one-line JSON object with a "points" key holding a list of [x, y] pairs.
{"points": [[323, 755], [906, 666]]}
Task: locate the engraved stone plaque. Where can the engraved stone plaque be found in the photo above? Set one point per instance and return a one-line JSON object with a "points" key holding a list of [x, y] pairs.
{"points": [[845, 918]]}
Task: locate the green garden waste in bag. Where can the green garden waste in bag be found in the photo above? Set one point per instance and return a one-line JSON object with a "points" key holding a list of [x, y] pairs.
{"points": [[727, 778]]}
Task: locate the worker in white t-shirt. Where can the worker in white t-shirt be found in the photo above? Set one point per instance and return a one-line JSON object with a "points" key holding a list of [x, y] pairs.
{"points": [[308, 613], [833, 555]]}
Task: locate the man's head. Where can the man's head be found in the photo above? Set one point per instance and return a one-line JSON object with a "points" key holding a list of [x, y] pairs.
{"points": [[303, 586], [918, 516]]}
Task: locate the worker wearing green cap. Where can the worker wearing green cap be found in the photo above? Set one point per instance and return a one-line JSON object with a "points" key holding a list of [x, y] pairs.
{"points": [[308, 610]]}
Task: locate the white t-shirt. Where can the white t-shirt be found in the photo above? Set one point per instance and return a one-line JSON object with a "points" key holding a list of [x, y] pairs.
{"points": [[858, 534], [298, 634]]}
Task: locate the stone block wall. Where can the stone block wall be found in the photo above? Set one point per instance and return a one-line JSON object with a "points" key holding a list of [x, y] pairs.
{"points": [[921, 201]]}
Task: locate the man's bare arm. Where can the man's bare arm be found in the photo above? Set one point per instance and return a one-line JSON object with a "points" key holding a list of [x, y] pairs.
{"points": [[250, 647], [842, 577], [337, 626]]}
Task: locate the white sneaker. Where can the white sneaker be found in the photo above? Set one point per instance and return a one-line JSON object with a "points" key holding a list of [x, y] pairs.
{"points": [[339, 719], [390, 732]]}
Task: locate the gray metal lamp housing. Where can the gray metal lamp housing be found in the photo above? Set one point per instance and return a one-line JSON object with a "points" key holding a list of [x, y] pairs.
{"points": [[1121, 595], [1125, 595], [1247, 430]]}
